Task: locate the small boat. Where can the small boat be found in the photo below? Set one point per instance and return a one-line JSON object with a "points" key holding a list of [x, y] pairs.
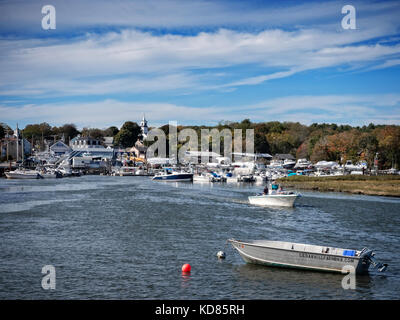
{"points": [[202, 177], [282, 199], [274, 196], [217, 177], [173, 176], [23, 174], [246, 178], [51, 175], [305, 256], [127, 171]]}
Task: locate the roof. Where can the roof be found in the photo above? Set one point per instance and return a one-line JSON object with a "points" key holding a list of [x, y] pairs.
{"points": [[59, 144]]}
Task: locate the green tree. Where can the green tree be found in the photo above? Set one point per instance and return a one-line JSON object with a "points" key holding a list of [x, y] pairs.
{"points": [[38, 130], [128, 135], [111, 131], [93, 133], [68, 130]]}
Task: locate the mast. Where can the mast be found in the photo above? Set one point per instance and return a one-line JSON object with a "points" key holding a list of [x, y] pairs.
{"points": [[22, 147], [17, 142]]}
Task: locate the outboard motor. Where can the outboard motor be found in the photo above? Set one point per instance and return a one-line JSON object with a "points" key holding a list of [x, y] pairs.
{"points": [[368, 255]]}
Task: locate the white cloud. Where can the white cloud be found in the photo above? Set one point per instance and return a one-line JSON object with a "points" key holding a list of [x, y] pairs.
{"points": [[347, 109], [136, 61]]}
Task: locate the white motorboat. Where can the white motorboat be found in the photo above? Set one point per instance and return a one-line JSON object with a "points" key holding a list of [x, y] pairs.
{"points": [[51, 174], [305, 256], [275, 164], [202, 177], [274, 196], [278, 199], [360, 166], [327, 165], [288, 164], [23, 174], [127, 171], [302, 164]]}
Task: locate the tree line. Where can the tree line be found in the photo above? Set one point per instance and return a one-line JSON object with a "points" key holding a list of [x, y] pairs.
{"points": [[37, 133], [316, 142]]}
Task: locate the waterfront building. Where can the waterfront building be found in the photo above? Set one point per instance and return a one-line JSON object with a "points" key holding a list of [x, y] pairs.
{"points": [[139, 150], [108, 142], [91, 146], [59, 148]]}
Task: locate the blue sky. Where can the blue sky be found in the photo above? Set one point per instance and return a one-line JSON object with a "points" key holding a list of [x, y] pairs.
{"points": [[199, 62]]}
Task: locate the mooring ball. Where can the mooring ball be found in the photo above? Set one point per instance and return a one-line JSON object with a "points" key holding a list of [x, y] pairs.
{"points": [[221, 254], [186, 267]]}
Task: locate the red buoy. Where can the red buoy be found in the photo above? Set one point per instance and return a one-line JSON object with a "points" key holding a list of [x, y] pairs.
{"points": [[186, 267]]}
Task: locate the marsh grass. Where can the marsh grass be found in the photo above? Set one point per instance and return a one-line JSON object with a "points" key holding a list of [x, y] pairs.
{"points": [[385, 185]]}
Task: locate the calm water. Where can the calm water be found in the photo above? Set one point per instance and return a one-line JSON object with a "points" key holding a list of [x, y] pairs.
{"points": [[127, 238]]}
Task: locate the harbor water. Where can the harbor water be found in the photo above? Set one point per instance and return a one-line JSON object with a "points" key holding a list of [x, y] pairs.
{"points": [[128, 237]]}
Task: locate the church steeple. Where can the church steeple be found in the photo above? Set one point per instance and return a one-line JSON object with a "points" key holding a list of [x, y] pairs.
{"points": [[16, 132], [143, 126]]}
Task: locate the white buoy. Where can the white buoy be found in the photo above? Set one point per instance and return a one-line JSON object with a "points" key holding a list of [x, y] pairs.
{"points": [[221, 255]]}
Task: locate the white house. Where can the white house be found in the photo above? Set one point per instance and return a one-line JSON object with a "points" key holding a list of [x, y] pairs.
{"points": [[59, 148]]}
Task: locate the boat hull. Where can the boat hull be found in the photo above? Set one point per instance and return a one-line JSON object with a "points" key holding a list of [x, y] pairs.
{"points": [[305, 257], [17, 175], [174, 177], [284, 200]]}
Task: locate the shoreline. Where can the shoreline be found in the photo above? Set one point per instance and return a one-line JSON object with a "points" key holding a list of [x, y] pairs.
{"points": [[386, 186]]}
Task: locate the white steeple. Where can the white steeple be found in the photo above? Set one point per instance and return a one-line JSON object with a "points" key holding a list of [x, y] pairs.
{"points": [[16, 132], [143, 126]]}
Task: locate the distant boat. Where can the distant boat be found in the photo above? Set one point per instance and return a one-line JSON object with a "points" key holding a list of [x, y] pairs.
{"points": [[355, 167], [305, 256], [288, 164], [326, 165], [275, 164], [51, 174], [23, 174], [302, 164], [203, 177], [173, 176]]}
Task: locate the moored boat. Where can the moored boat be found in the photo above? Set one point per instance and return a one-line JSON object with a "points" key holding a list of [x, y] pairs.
{"points": [[22, 174], [173, 176], [305, 256]]}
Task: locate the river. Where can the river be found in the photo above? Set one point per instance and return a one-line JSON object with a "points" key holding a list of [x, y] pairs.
{"points": [[128, 237]]}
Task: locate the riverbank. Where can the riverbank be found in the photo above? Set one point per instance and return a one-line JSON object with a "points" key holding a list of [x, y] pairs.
{"points": [[387, 185]]}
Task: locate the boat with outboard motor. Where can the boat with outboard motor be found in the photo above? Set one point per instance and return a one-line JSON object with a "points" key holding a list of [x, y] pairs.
{"points": [[282, 200], [305, 256], [274, 196]]}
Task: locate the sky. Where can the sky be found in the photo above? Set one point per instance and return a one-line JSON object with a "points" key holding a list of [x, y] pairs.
{"points": [[199, 62]]}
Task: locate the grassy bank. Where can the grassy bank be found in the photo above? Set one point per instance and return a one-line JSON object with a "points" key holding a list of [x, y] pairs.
{"points": [[388, 185]]}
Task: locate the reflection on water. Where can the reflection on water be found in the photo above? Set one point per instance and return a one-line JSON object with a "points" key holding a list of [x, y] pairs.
{"points": [[127, 238]]}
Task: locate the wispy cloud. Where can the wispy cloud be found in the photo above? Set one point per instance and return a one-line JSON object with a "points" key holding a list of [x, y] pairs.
{"points": [[136, 61], [346, 109]]}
